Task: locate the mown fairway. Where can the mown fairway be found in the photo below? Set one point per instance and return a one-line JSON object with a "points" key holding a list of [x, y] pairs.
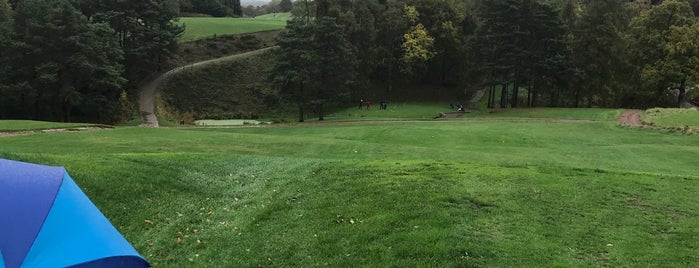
{"points": [[203, 27], [391, 194]]}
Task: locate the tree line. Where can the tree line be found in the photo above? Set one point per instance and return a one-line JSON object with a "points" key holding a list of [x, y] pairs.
{"points": [[274, 6], [81, 60], [216, 8], [569, 53]]}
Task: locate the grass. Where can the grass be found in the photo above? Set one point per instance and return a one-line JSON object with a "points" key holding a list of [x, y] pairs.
{"points": [[427, 111], [672, 118], [29, 125], [203, 27], [394, 111], [396, 194]]}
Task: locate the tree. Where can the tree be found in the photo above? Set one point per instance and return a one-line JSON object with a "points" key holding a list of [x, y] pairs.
{"points": [[418, 45], [314, 64], [68, 63], [665, 45], [146, 31], [598, 47], [286, 5], [6, 19]]}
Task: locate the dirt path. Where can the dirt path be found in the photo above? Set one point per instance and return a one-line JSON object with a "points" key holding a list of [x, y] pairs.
{"points": [[631, 118], [146, 101], [51, 130]]}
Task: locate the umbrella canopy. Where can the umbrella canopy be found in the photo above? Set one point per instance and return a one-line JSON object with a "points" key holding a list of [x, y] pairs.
{"points": [[47, 221]]}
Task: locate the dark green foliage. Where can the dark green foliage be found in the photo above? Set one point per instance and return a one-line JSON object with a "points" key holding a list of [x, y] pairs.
{"points": [[518, 42], [315, 63], [216, 8], [68, 60], [146, 31], [599, 52], [285, 6], [665, 50], [69, 67]]}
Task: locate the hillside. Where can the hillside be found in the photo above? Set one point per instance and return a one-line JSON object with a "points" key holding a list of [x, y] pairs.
{"points": [[428, 193]]}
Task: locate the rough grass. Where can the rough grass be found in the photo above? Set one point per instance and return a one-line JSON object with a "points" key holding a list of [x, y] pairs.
{"points": [[226, 90], [410, 194], [672, 118], [202, 27]]}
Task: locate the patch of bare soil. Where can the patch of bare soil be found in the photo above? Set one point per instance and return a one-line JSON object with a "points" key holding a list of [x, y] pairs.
{"points": [[53, 130], [631, 118]]}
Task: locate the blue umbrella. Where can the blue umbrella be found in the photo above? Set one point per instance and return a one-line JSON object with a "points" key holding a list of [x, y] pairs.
{"points": [[47, 221]]}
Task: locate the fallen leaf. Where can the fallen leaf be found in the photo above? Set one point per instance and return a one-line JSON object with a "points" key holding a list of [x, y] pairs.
{"points": [[149, 221], [179, 240]]}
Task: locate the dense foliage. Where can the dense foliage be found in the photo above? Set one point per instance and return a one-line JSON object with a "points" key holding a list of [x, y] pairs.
{"points": [[570, 53], [216, 8], [69, 60]]}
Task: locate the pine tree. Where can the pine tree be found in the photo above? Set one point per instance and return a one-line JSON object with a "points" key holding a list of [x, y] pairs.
{"points": [[315, 63], [286, 5]]}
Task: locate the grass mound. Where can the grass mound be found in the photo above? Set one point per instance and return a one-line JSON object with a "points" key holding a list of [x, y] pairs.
{"points": [[226, 90], [415, 194], [672, 118]]}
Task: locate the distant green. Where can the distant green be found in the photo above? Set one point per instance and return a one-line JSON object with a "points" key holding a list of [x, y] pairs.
{"points": [[203, 27], [473, 192]]}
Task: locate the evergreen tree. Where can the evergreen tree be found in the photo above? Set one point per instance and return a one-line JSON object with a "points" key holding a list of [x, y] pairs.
{"points": [[68, 63], [6, 18], [598, 47], [146, 31], [315, 63], [286, 5]]}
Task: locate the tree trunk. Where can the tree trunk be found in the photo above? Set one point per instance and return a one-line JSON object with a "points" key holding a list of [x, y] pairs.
{"points": [[577, 97], [301, 103], [503, 96], [491, 96], [390, 77], [529, 94], [320, 112], [682, 91], [515, 89], [553, 99]]}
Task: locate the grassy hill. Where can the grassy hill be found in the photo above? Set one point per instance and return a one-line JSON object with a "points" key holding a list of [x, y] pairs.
{"points": [[203, 27], [236, 89], [469, 192]]}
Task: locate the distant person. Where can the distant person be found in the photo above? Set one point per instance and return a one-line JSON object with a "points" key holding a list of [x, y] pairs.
{"points": [[460, 108], [384, 105], [368, 105], [361, 104]]}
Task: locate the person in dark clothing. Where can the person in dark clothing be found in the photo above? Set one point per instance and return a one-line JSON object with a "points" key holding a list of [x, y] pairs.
{"points": [[361, 104]]}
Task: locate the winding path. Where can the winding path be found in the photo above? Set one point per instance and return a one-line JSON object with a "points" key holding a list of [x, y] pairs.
{"points": [[631, 118], [146, 101]]}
